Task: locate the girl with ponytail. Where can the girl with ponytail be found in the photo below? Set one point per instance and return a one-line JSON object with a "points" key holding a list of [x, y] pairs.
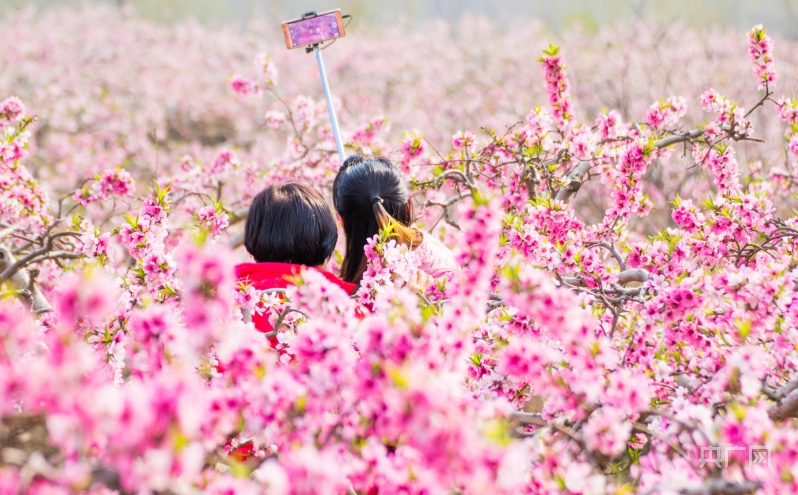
{"points": [[370, 194]]}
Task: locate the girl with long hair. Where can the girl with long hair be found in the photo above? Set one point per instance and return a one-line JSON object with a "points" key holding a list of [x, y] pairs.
{"points": [[369, 194]]}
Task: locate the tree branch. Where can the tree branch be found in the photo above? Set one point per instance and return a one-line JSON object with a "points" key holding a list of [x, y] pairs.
{"points": [[573, 181], [679, 138], [625, 277], [722, 487], [239, 215], [528, 418], [22, 281], [634, 275], [237, 240], [449, 202], [781, 392], [43, 251], [785, 408], [614, 252]]}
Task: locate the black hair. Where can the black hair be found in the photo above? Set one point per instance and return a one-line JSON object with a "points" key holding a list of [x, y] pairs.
{"points": [[370, 194], [290, 223]]}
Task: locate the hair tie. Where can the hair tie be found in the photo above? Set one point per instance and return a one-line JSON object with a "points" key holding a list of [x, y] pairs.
{"points": [[376, 199]]}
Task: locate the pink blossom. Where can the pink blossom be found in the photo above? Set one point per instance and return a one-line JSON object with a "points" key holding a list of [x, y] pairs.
{"points": [[95, 246], [412, 148], [462, 140], [760, 48], [242, 85], [153, 210], [225, 161], [666, 113], [117, 183], [87, 300], [607, 432], [11, 110], [247, 297], [210, 216], [788, 110], [274, 119], [607, 123], [267, 70], [558, 86]]}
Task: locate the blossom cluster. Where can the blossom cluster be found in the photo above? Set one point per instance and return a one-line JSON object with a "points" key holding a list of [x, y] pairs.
{"points": [[666, 113], [558, 86], [11, 110], [760, 49], [112, 183]]}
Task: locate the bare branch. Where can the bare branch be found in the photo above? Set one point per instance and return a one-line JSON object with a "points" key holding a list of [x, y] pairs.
{"points": [[781, 392], [47, 247], [528, 418], [239, 215], [453, 174], [722, 487], [785, 408], [573, 181], [625, 277], [237, 240], [288, 310], [22, 281], [614, 252], [679, 138], [634, 275], [449, 202]]}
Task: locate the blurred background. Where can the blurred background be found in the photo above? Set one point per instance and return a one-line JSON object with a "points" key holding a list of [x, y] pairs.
{"points": [[150, 85], [779, 15]]}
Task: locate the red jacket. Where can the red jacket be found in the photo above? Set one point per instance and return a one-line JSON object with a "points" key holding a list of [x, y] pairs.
{"points": [[264, 276]]}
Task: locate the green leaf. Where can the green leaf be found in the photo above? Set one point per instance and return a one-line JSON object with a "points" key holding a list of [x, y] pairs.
{"points": [[239, 469], [743, 329], [552, 51], [134, 222], [168, 290], [179, 440], [200, 235], [498, 431], [301, 404], [398, 377]]}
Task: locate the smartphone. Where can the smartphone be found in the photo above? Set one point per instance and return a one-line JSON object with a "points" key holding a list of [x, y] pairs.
{"points": [[313, 28]]}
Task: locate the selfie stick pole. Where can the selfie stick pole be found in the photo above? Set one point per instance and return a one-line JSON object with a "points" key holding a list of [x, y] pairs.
{"points": [[333, 119]]}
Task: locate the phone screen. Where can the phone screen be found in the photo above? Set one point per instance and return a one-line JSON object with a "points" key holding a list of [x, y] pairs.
{"points": [[314, 30]]}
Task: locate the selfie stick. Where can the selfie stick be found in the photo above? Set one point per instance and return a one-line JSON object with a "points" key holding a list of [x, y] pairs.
{"points": [[330, 108]]}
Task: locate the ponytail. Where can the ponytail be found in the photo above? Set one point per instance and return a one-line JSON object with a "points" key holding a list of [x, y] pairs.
{"points": [[406, 235]]}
